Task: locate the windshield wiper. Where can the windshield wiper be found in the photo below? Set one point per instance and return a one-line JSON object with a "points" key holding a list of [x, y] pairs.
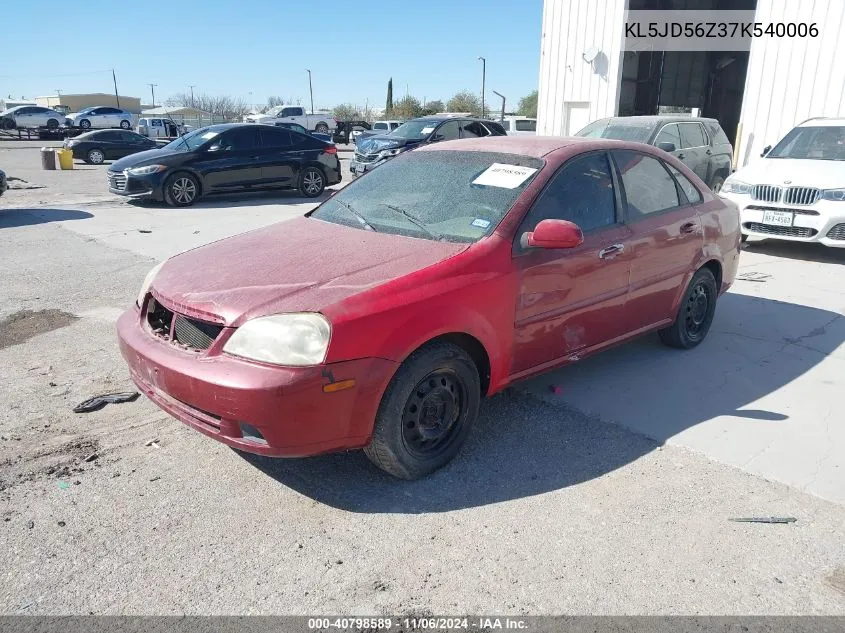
{"points": [[415, 220], [360, 217]]}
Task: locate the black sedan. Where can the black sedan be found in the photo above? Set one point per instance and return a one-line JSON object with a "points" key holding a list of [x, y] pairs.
{"points": [[225, 158], [373, 150], [97, 147]]}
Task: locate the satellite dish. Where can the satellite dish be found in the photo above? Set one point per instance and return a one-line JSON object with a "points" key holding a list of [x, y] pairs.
{"points": [[590, 54]]}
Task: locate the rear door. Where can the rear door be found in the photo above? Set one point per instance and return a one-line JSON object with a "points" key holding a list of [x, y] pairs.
{"points": [[132, 143], [111, 143], [279, 158], [473, 129], [232, 161], [694, 146], [572, 299], [667, 235]]}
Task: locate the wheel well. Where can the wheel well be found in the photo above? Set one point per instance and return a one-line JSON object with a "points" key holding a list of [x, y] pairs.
{"points": [[716, 268], [474, 348]]}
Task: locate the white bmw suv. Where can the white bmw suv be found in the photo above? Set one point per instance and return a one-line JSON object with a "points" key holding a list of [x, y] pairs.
{"points": [[797, 191]]}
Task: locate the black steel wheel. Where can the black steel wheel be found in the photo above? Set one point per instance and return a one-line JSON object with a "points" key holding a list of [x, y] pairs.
{"points": [[695, 315], [426, 412]]}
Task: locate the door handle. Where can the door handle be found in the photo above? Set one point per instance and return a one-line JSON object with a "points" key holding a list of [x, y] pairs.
{"points": [[708, 152], [611, 251], [689, 227], [681, 156]]}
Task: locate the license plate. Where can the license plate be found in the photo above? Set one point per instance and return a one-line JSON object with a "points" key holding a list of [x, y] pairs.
{"points": [[778, 218]]}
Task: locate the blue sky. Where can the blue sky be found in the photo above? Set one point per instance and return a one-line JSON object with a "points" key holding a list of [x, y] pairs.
{"points": [[264, 47]]}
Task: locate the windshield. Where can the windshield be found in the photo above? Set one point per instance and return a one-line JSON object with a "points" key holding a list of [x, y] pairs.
{"points": [[451, 196], [274, 111], [191, 140], [86, 110], [617, 129], [415, 129], [823, 142]]}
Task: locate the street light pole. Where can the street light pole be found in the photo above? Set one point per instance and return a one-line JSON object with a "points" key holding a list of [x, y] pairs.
{"points": [[503, 104], [153, 90], [483, 81], [192, 96], [310, 90]]}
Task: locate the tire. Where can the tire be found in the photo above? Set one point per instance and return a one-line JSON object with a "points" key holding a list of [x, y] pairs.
{"points": [[716, 185], [695, 315], [436, 387], [181, 190], [95, 156], [312, 182], [322, 128], [52, 124], [85, 124], [125, 125], [7, 124]]}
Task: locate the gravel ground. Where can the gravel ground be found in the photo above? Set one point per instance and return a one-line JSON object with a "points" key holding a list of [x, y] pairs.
{"points": [[548, 509]]}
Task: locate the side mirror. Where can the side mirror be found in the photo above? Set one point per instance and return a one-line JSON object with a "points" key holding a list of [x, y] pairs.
{"points": [[213, 148], [553, 234], [766, 150], [667, 147]]}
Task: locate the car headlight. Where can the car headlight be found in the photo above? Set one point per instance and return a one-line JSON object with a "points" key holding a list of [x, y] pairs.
{"points": [[283, 339], [837, 195], [146, 170], [387, 153], [736, 186], [148, 281]]}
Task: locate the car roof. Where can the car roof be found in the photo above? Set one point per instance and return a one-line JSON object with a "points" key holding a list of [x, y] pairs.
{"points": [[535, 146], [658, 119], [438, 119], [823, 122]]}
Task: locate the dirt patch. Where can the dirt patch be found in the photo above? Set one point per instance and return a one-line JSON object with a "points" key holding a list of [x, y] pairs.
{"points": [[66, 459], [22, 326]]}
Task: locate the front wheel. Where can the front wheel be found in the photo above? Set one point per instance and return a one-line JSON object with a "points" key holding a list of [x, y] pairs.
{"points": [[426, 412], [311, 182], [695, 315], [125, 124], [181, 190]]}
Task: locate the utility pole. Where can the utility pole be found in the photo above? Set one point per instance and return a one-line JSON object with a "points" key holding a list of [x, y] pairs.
{"points": [[310, 90], [503, 104], [192, 96], [116, 96], [483, 81], [153, 90]]}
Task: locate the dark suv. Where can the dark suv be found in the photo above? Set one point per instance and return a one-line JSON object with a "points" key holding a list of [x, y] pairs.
{"points": [[699, 143], [372, 151]]}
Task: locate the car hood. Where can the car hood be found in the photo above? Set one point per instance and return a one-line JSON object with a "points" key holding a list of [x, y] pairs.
{"points": [[378, 142], [824, 174], [147, 157], [287, 267]]}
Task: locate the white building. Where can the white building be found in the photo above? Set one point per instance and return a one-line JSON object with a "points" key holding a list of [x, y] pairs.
{"points": [[757, 96]]}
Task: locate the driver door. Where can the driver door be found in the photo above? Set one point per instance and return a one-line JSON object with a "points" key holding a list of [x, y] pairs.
{"points": [[231, 161], [572, 300]]}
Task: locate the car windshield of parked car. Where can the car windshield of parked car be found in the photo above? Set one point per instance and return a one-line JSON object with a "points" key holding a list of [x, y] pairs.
{"points": [[451, 196], [86, 110], [415, 130], [619, 130], [274, 111], [823, 142], [191, 141]]}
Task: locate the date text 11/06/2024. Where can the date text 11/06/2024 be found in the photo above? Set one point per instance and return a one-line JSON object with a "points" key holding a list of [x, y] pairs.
{"points": [[416, 624]]}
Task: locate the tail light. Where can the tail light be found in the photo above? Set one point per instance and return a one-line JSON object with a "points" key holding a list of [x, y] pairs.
{"points": [[331, 149]]}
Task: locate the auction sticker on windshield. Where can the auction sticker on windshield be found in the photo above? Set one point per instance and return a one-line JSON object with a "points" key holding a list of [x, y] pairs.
{"points": [[427, 130], [504, 176]]}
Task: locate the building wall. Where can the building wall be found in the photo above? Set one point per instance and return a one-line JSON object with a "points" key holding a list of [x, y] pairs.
{"points": [[573, 92], [78, 101], [791, 80]]}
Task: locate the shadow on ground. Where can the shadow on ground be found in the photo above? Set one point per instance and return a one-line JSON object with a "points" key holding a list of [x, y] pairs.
{"points": [[797, 250], [243, 199], [523, 446], [24, 217]]}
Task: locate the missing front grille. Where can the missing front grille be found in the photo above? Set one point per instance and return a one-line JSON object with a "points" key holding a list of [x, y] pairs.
{"points": [[159, 318]]}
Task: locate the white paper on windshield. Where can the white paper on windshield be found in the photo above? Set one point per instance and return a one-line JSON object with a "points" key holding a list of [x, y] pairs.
{"points": [[481, 223], [427, 130], [209, 135], [504, 176]]}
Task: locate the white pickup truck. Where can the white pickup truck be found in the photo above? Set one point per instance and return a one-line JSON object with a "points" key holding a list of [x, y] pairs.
{"points": [[322, 122]]}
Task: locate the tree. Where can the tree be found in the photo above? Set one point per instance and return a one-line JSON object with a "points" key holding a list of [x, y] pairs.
{"points": [[347, 112], [433, 107], [406, 108], [223, 105], [528, 106], [388, 106], [465, 101]]}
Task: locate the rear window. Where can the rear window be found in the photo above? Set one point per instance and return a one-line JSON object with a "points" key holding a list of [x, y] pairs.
{"points": [[718, 135], [380, 126], [525, 125], [618, 129]]}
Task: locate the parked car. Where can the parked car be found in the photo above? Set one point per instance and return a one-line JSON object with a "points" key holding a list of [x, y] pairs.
{"points": [[455, 270], [4, 183], [98, 146], [101, 117], [322, 122], [699, 143], [296, 127], [376, 127], [30, 117], [372, 151], [797, 191], [519, 125], [161, 128], [224, 158]]}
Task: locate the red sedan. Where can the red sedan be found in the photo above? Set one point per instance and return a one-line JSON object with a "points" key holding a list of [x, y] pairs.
{"points": [[380, 319]]}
